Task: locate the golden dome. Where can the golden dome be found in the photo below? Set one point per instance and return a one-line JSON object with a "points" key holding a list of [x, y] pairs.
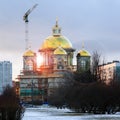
{"points": [[60, 51], [29, 53], [83, 53], [55, 41]]}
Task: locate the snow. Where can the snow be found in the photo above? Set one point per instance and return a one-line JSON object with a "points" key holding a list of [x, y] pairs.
{"points": [[50, 113]]}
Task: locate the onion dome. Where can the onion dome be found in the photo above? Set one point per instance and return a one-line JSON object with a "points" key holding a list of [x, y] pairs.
{"points": [[60, 51], [56, 39], [83, 53], [29, 53]]}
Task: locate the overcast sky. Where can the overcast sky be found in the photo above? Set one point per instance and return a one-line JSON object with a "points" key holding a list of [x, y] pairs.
{"points": [[96, 22]]}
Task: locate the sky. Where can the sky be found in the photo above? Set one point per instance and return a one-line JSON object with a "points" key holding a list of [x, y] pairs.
{"points": [[96, 22]]}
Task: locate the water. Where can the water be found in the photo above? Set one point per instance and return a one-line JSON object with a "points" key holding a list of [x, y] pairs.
{"points": [[46, 113]]}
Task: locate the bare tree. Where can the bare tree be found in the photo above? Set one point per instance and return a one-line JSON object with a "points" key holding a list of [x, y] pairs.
{"points": [[96, 58]]}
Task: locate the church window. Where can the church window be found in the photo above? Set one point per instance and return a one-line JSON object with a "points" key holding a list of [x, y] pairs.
{"points": [[54, 31], [83, 64], [59, 30], [29, 65], [60, 66]]}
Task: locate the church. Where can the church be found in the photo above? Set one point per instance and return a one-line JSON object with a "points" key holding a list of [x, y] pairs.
{"points": [[57, 54]]}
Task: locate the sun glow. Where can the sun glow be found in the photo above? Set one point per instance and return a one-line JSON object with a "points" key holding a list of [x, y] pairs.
{"points": [[39, 60]]}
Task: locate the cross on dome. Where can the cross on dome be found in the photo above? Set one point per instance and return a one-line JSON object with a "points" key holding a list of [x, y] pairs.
{"points": [[83, 45], [56, 29]]}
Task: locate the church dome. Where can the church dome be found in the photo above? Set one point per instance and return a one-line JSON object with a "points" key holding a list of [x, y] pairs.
{"points": [[60, 51], [29, 53], [83, 53], [56, 40]]}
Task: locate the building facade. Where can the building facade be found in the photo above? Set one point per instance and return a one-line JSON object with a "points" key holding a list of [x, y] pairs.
{"points": [[5, 74], [110, 72]]}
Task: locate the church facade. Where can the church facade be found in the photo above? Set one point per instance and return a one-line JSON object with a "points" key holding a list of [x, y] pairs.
{"points": [[57, 53]]}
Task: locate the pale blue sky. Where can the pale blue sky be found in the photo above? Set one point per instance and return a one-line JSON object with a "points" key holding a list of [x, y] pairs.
{"points": [[96, 22]]}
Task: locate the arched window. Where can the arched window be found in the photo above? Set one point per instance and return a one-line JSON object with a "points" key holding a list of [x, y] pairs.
{"points": [[83, 64], [29, 65]]}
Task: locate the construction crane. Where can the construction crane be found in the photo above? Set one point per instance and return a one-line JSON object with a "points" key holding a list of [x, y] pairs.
{"points": [[25, 18]]}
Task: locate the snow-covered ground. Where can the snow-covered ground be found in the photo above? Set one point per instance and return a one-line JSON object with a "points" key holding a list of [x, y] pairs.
{"points": [[49, 113]]}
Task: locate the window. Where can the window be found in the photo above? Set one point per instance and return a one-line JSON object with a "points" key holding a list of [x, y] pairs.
{"points": [[83, 64], [29, 65], [60, 66]]}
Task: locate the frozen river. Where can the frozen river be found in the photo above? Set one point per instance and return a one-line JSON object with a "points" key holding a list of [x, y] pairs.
{"points": [[45, 113]]}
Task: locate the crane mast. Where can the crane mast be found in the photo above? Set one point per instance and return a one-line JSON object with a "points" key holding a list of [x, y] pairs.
{"points": [[25, 18]]}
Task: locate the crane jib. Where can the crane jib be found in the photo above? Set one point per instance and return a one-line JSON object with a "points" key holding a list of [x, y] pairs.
{"points": [[25, 17]]}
